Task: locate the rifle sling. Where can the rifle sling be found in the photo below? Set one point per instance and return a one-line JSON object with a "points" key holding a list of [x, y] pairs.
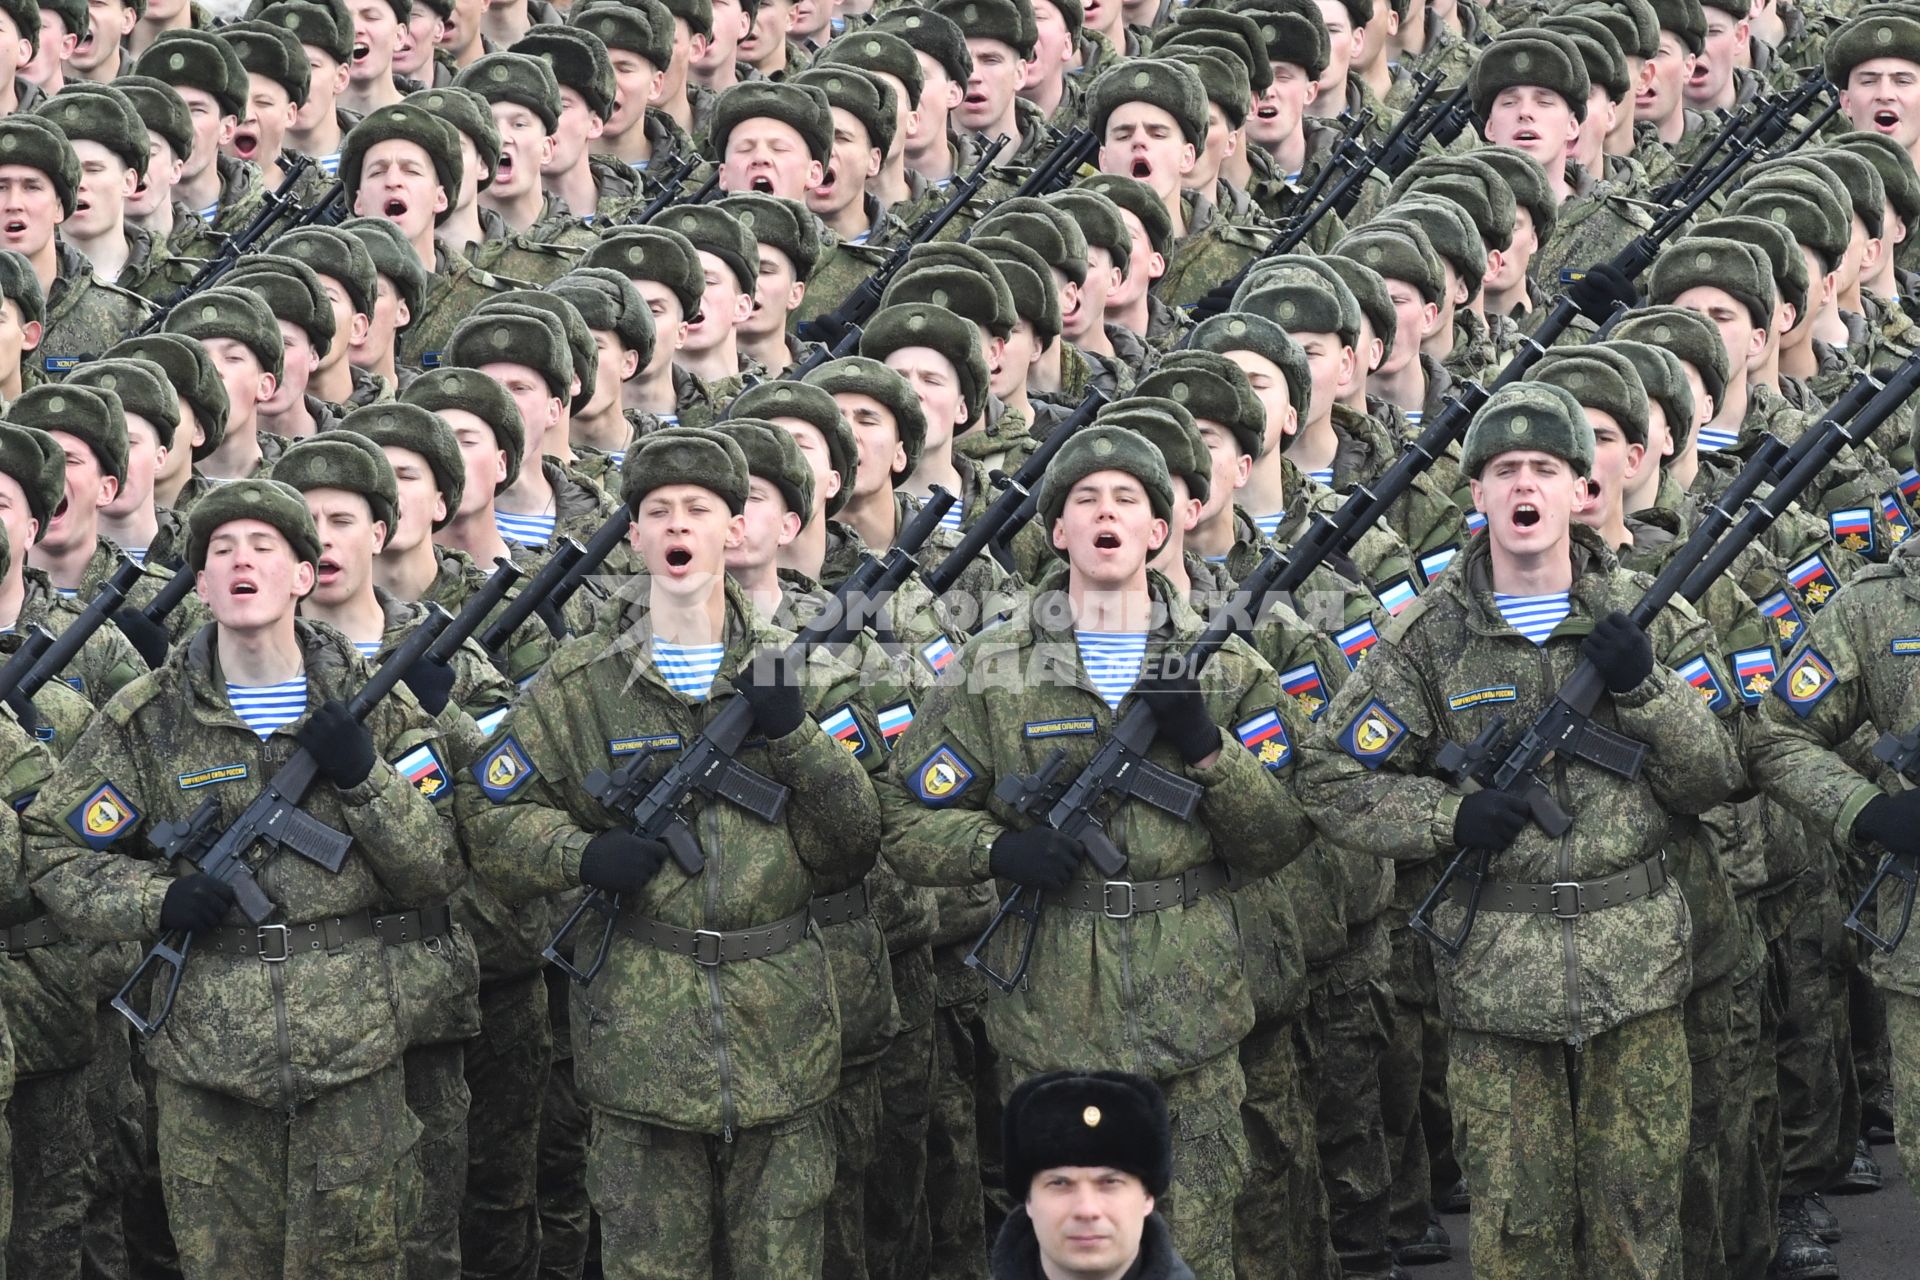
{"points": [[1119, 899], [1568, 899]]}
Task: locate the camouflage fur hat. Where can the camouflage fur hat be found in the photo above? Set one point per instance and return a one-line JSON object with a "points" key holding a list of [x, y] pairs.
{"points": [[658, 255], [977, 293], [404, 122], [1130, 195], [516, 336], [326, 26], [1301, 300], [860, 94], [189, 59], [1686, 19], [583, 355], [343, 459], [238, 314], [773, 455], [645, 30], [1450, 230], [1212, 388], [1860, 179], [787, 225], [1816, 215], [1477, 187], [1045, 228], [1223, 78], [1397, 253], [1263, 338], [1011, 22], [191, 375], [39, 143], [1171, 86], [468, 391], [713, 230], [469, 114], [1527, 181], [1690, 336], [798, 105], [1530, 56], [1741, 270], [1173, 432], [815, 406], [1228, 31], [159, 107], [399, 425], [1029, 282], [21, 286], [142, 387], [579, 60], [393, 257], [1897, 176], [517, 79], [337, 255], [1534, 416], [1600, 379], [292, 292], [34, 462], [1665, 382], [1295, 32], [1096, 448], [1099, 221], [931, 33], [685, 455], [1791, 282], [1369, 289], [877, 50], [269, 501], [1878, 35], [859, 375], [607, 301], [1600, 52], [100, 113], [920, 324], [92, 415], [269, 49]]}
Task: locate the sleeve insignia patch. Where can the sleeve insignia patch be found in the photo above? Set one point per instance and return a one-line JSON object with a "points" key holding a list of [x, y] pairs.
{"points": [[941, 777], [103, 817], [1814, 580], [1904, 647], [424, 771], [1787, 623], [1753, 672], [503, 770], [1699, 674], [1396, 595], [617, 747], [1435, 563], [894, 721], [1373, 735], [937, 653], [1356, 640], [1304, 685], [844, 728], [1266, 736], [1806, 682], [1899, 528], [1853, 529]]}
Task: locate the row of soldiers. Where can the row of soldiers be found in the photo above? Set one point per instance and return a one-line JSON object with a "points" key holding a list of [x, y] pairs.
{"points": [[513, 274]]}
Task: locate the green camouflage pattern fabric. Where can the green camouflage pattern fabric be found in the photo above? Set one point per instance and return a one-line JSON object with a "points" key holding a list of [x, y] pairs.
{"points": [[85, 315], [1212, 249], [437, 1095], [1280, 1226], [1437, 673], [1595, 223], [1425, 517], [53, 1157], [540, 255], [454, 288], [506, 1069], [752, 1043], [152, 271], [106, 663]]}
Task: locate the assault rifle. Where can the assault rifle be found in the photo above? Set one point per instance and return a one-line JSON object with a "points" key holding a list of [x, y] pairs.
{"points": [[273, 207], [330, 210], [860, 305], [1072, 150], [650, 806], [1760, 124], [667, 192], [99, 611], [178, 588], [1901, 753], [559, 579]]}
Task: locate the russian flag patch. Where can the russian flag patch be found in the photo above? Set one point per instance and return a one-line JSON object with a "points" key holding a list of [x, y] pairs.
{"points": [[1356, 640], [1304, 685], [937, 653], [1853, 528], [1753, 671], [1814, 579], [1786, 619], [844, 728], [894, 721], [1397, 595], [1699, 674], [1266, 736]]}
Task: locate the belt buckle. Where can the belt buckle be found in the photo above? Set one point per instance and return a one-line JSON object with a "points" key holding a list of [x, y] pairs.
{"points": [[701, 938], [260, 938], [1553, 899], [1106, 900]]}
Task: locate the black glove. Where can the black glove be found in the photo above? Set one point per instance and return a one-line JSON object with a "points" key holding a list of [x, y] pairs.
{"points": [[1893, 822], [1219, 299], [1038, 856], [150, 638], [195, 902], [620, 861], [1621, 651], [1489, 820], [431, 682], [1180, 715], [1599, 289], [774, 694], [342, 745]]}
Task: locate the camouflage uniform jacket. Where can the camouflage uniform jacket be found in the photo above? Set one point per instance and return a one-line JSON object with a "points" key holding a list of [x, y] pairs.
{"points": [[1167, 325], [1132, 351], [1425, 517], [1213, 249], [85, 315], [1159, 995], [155, 573], [191, 235], [454, 289], [744, 1044], [105, 663], [372, 388], [694, 403], [539, 255], [1354, 579], [1474, 355], [526, 650], [843, 265], [1851, 671], [1596, 221], [1858, 492], [152, 271], [242, 191], [271, 1035], [1441, 670], [1655, 158], [618, 191]]}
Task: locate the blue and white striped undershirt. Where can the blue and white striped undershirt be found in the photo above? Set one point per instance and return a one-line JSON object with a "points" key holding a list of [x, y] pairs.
{"points": [[139, 554], [1716, 439], [617, 458], [208, 214], [688, 669], [368, 648], [1269, 525], [950, 518], [1111, 660], [1534, 617], [1321, 475], [266, 707], [1414, 416], [528, 531], [67, 593], [330, 165]]}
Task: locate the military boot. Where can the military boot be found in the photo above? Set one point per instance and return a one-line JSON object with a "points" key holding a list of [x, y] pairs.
{"points": [[1456, 1200], [1820, 1218], [1434, 1245], [1798, 1253], [1863, 1178], [1876, 1115]]}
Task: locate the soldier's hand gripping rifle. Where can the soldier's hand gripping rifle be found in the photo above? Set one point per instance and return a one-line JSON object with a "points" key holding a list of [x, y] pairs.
{"points": [[650, 806], [273, 207], [860, 305], [275, 818]]}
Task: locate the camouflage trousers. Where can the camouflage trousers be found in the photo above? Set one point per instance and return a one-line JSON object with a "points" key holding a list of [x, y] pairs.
{"points": [[506, 1069], [52, 1162], [687, 1206], [1344, 1034], [438, 1097], [1750, 1143], [330, 1191], [1414, 1052], [1280, 1227], [1575, 1156], [853, 1120], [117, 1114], [1709, 1021], [566, 1218], [1819, 1101], [899, 1238], [1903, 1035], [963, 1063], [1210, 1161], [151, 1253]]}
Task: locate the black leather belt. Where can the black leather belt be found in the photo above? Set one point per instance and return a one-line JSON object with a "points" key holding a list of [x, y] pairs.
{"points": [[714, 946], [830, 909], [428, 923], [42, 932], [274, 943], [1119, 899], [1570, 899]]}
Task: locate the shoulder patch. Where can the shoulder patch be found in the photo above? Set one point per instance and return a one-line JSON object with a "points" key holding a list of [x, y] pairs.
{"points": [[1807, 681], [424, 770], [103, 817], [937, 653], [1305, 686], [618, 747], [1699, 674], [1373, 735], [504, 770], [941, 777], [894, 721], [1899, 527], [1356, 640], [1266, 736], [1481, 697], [1813, 579], [1787, 622], [1853, 529], [207, 777], [1396, 595], [1753, 672], [1475, 521], [1435, 563], [844, 728], [1059, 728]]}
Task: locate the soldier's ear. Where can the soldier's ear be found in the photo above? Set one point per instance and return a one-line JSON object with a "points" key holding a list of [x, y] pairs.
{"points": [[30, 334]]}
